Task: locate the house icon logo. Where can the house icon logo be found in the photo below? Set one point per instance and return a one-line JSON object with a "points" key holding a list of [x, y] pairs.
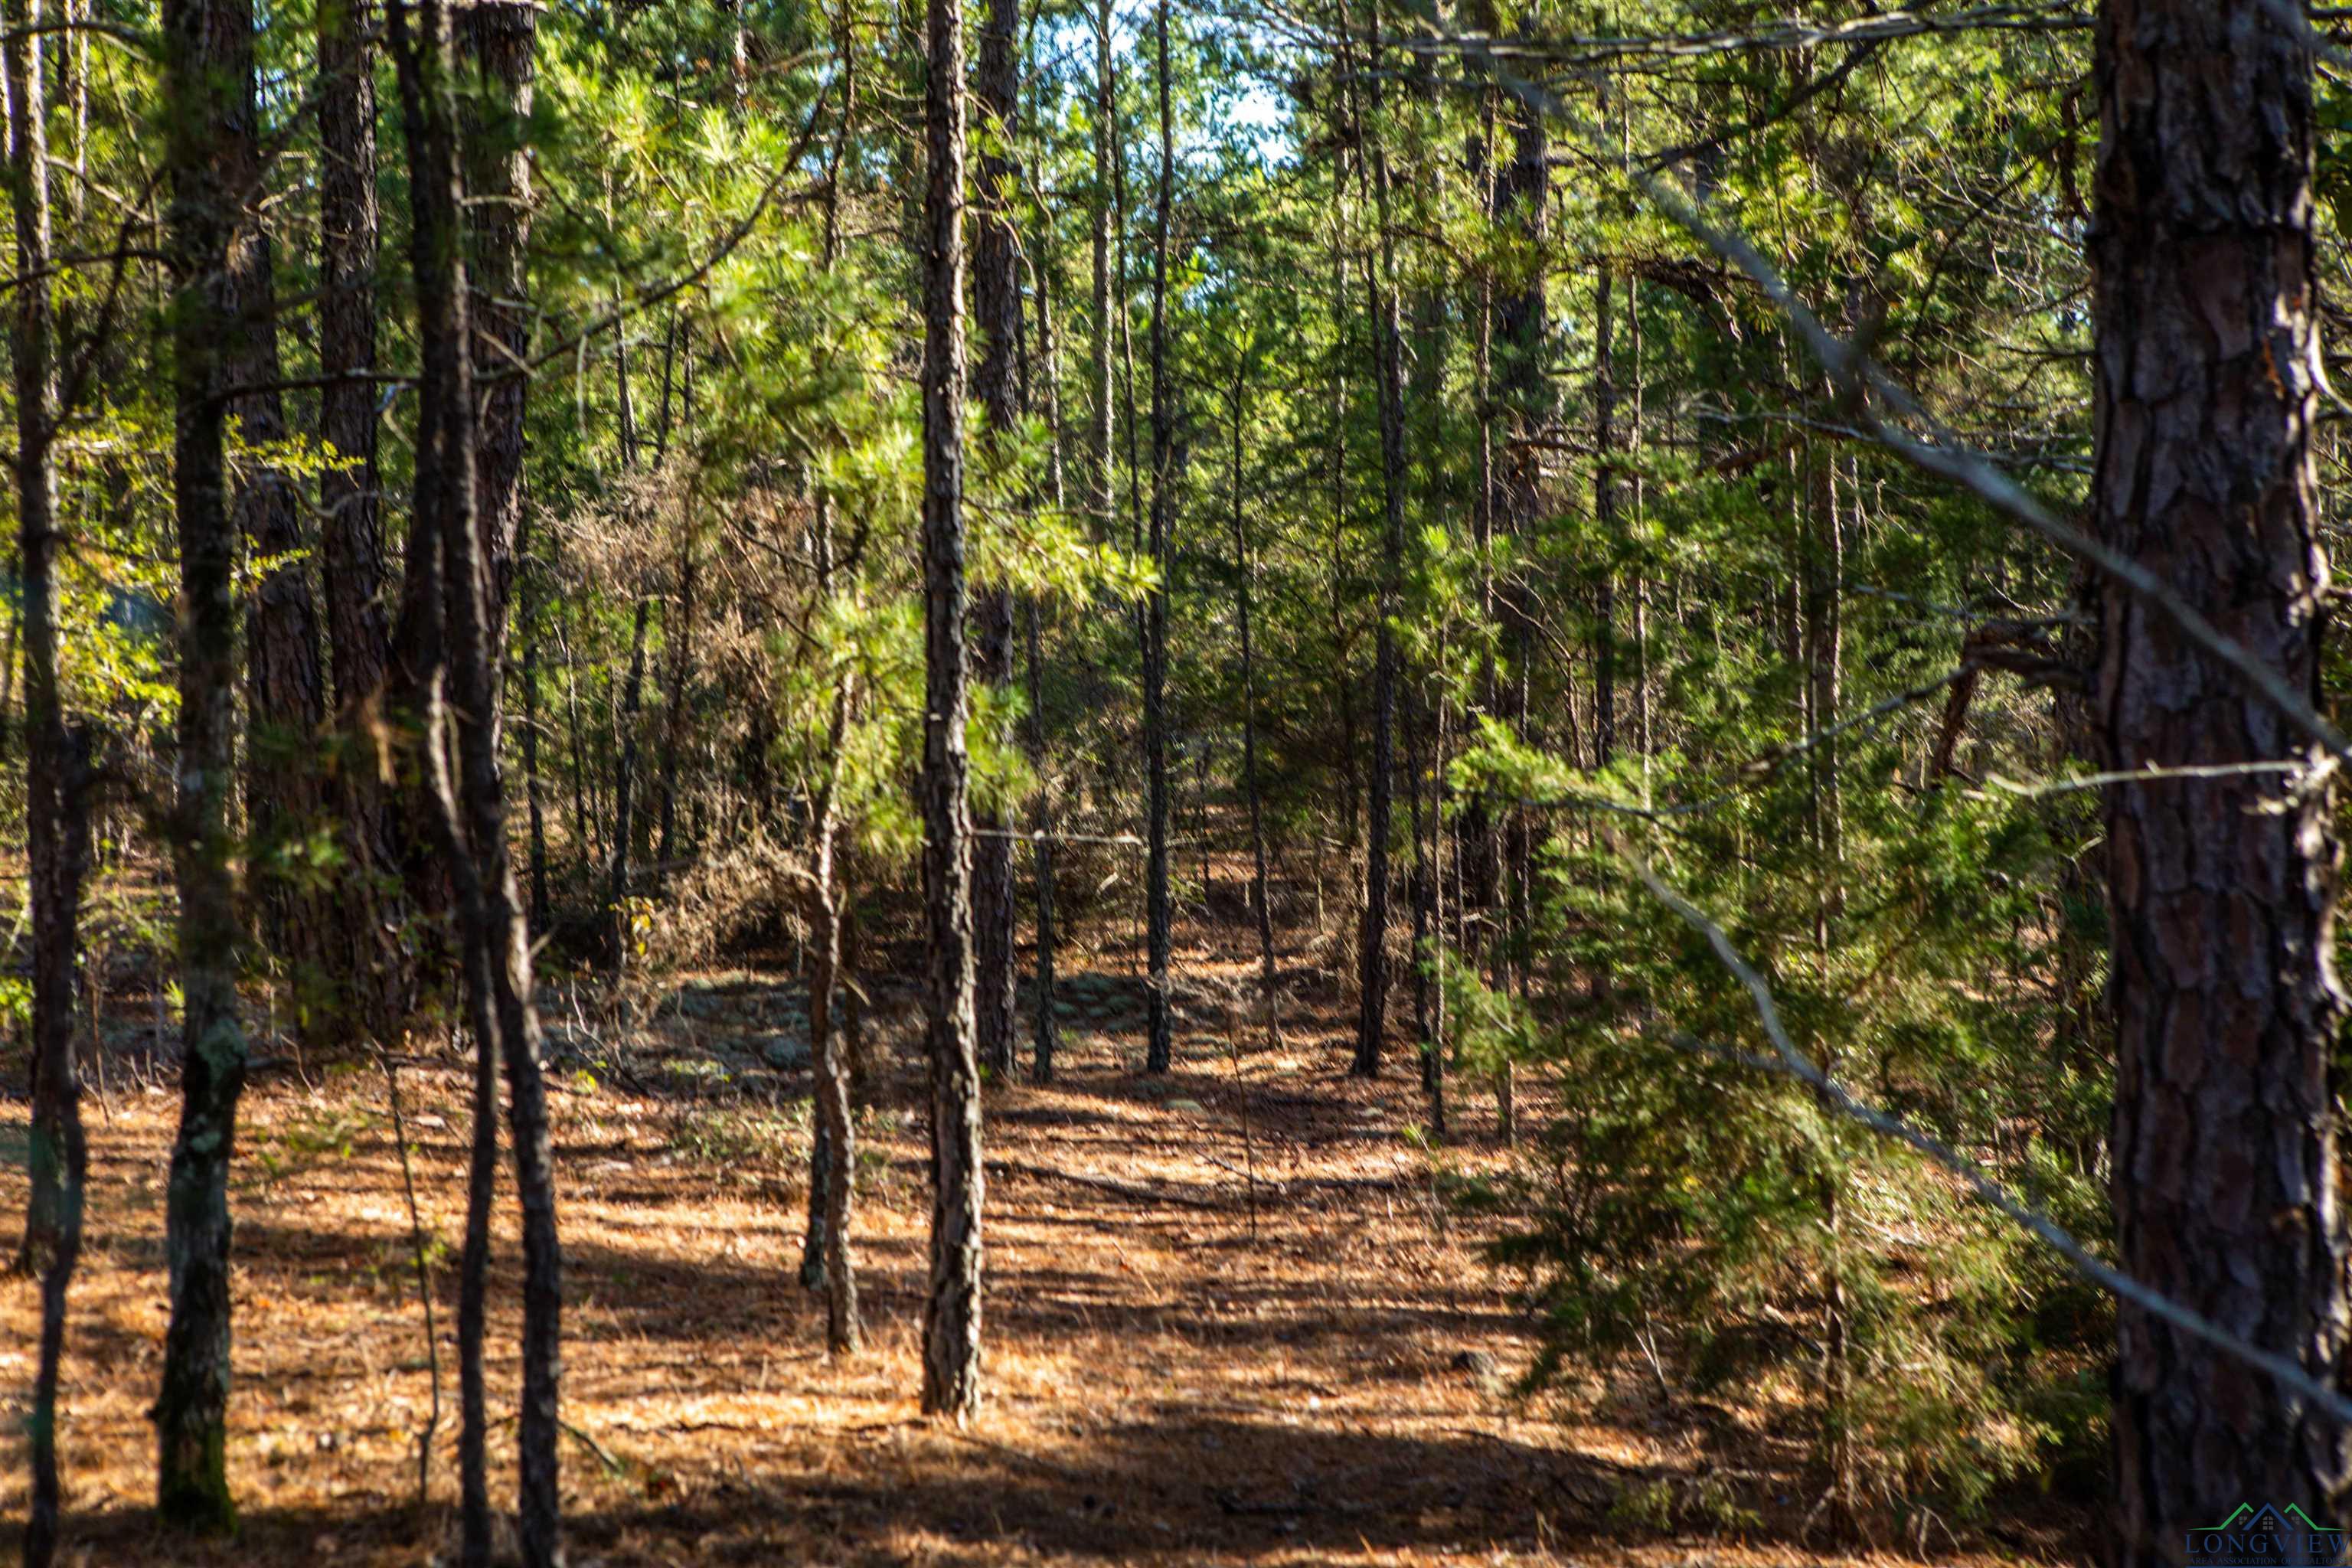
{"points": [[2259, 1535]]}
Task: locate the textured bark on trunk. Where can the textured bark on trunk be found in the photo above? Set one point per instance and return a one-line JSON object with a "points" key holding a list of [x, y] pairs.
{"points": [[1521, 189], [501, 38], [1245, 567], [314, 936], [191, 1408], [534, 785], [951, 1317], [1099, 414], [359, 627], [625, 778], [1044, 1027], [1604, 517], [625, 723], [1159, 1050], [680, 650], [2222, 890], [462, 752], [1381, 291], [371, 974], [1099, 494], [826, 1259], [56, 781], [996, 311], [1478, 854]]}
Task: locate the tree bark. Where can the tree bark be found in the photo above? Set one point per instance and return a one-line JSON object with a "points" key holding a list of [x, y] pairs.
{"points": [[533, 784], [1379, 280], [1245, 567], [371, 974], [2221, 892], [57, 818], [1046, 1025], [951, 1318], [358, 626], [625, 723], [500, 37], [1604, 517], [1158, 1044], [997, 307], [1099, 496], [462, 743], [191, 1408], [1521, 192], [826, 1259], [680, 650], [286, 684]]}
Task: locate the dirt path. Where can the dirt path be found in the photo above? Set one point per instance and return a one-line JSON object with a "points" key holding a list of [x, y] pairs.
{"points": [[1179, 1375]]}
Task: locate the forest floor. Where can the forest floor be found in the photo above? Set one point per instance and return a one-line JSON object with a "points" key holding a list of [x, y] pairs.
{"points": [[1228, 1321]]}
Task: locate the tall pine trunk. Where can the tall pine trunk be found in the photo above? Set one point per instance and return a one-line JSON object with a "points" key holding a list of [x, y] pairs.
{"points": [[951, 1378], [371, 978], [2222, 890], [1381, 291], [632, 693], [317, 937], [1522, 396], [826, 1259], [1159, 1045], [1044, 1029], [1604, 517], [192, 1406], [1243, 568], [499, 37], [57, 781], [996, 310], [462, 745]]}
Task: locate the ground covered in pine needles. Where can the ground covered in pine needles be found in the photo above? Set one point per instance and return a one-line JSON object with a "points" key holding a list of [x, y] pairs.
{"points": [[1228, 1321]]}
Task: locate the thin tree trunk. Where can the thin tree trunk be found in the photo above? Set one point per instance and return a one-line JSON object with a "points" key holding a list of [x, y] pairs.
{"points": [[1098, 438], [1604, 516], [1158, 1044], [1521, 190], [191, 1408], [1041, 819], [2222, 890], [951, 1317], [583, 832], [681, 660], [827, 1259], [495, 950], [1245, 567], [625, 723], [996, 310], [1478, 854], [534, 787], [499, 37], [56, 814], [1380, 277]]}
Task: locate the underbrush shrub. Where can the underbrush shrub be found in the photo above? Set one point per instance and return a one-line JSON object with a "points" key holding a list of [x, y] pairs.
{"points": [[1689, 1212]]}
